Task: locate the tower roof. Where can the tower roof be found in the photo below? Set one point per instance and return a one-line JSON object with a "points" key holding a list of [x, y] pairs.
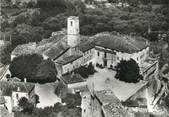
{"points": [[73, 18]]}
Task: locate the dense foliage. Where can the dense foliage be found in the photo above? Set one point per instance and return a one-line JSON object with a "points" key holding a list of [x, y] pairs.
{"points": [[34, 68], [128, 71], [48, 16], [58, 110], [85, 71], [72, 100], [26, 106]]}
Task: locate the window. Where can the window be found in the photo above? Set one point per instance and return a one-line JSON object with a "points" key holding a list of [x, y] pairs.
{"points": [[98, 54], [71, 23], [137, 58], [17, 96], [105, 55]]}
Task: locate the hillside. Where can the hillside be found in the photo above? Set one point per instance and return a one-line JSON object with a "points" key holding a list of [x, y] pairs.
{"points": [[33, 22]]}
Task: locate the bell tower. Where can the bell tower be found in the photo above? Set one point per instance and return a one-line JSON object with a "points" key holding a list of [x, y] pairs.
{"points": [[73, 31]]}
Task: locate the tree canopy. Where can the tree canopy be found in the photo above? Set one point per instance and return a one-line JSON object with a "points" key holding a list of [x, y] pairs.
{"points": [[128, 71], [58, 110], [34, 68], [26, 105], [72, 100]]}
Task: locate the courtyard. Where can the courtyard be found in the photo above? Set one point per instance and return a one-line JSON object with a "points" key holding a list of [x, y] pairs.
{"points": [[104, 79], [46, 94]]}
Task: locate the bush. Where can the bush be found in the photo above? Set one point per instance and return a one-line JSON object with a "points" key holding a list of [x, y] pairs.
{"points": [[34, 68], [26, 105], [85, 71], [99, 65], [128, 71], [72, 100]]}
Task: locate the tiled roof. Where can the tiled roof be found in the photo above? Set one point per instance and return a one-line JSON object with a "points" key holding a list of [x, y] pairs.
{"points": [[111, 105], [56, 50], [85, 46], [114, 110], [8, 87], [53, 47], [72, 78], [68, 59], [122, 43], [24, 49], [106, 97]]}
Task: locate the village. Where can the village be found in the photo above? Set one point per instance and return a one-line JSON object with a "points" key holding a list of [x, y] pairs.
{"points": [[108, 74]]}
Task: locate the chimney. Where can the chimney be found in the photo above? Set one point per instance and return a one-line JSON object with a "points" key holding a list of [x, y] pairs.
{"points": [[25, 80], [18, 89]]}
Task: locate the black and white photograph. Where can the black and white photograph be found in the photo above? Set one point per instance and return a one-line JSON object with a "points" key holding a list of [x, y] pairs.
{"points": [[84, 58]]}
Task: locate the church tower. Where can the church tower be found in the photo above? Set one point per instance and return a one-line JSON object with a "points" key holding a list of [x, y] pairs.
{"points": [[73, 31]]}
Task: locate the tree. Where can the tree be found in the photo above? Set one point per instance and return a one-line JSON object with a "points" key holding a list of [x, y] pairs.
{"points": [[26, 105], [61, 89], [128, 71], [72, 100], [5, 57], [52, 23], [24, 33], [46, 71], [34, 68], [36, 99], [91, 69]]}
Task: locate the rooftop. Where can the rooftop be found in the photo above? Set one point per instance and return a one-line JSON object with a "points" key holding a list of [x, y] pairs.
{"points": [[111, 104], [54, 46], [72, 78], [55, 50], [24, 49], [85, 46], [68, 59], [122, 43], [8, 87], [106, 97], [114, 110], [73, 17]]}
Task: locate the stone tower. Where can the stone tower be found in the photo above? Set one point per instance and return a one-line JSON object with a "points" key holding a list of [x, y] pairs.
{"points": [[73, 31]]}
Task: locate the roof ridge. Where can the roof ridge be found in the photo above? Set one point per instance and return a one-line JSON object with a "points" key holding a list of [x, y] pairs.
{"points": [[25, 87]]}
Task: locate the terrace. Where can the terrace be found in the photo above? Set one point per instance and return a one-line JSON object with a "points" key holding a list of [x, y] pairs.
{"points": [[105, 79]]}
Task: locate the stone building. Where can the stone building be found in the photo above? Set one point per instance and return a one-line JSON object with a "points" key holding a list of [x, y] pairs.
{"points": [[69, 50], [106, 104], [13, 91]]}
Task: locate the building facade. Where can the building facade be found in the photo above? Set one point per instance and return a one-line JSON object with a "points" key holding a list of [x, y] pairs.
{"points": [[14, 91], [106, 49]]}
